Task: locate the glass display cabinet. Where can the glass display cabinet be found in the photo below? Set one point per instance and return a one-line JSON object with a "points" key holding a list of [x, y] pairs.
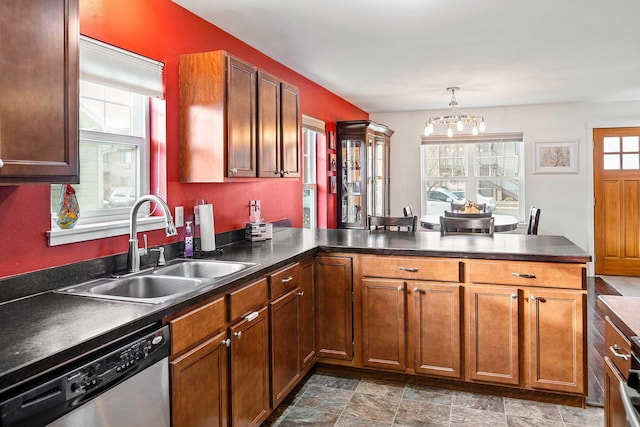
{"points": [[363, 171]]}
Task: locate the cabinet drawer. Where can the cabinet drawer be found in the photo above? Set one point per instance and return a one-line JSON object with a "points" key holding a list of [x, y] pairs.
{"points": [[615, 341], [195, 326], [412, 268], [540, 274], [284, 280], [247, 299]]}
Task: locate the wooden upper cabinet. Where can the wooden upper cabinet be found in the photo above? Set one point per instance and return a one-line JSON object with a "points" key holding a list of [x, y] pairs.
{"points": [[39, 91], [217, 117], [290, 130], [278, 128], [268, 126]]}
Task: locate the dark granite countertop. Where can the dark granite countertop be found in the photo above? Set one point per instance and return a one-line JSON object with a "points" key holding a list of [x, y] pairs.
{"points": [[623, 312], [44, 331]]}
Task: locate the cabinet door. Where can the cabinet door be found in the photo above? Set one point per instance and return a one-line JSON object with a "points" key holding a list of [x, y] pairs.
{"points": [[352, 183], [39, 87], [250, 370], [334, 318], [290, 131], [556, 340], [285, 346], [436, 329], [306, 301], [199, 381], [383, 324], [493, 334], [241, 119], [268, 126], [614, 413]]}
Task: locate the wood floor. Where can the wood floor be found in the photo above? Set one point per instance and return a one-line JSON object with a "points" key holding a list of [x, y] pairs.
{"points": [[595, 340]]}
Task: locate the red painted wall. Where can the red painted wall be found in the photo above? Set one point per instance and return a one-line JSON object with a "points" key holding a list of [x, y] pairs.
{"points": [[162, 30]]}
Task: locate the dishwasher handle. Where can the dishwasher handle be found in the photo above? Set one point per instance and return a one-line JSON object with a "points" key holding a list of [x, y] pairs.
{"points": [[627, 394]]}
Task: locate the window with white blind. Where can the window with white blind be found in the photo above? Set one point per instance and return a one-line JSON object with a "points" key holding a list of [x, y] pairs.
{"points": [[484, 169], [115, 86]]}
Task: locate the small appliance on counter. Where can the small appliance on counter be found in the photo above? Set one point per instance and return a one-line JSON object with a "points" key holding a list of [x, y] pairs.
{"points": [[257, 230]]}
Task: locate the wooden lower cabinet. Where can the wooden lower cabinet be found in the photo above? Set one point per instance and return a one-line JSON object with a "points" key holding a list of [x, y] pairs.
{"points": [[492, 330], [306, 302], [383, 324], [199, 381], [334, 307], [285, 345], [614, 412], [435, 328], [556, 336], [249, 370]]}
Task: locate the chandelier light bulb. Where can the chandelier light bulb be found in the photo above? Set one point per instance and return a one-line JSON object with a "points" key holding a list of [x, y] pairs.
{"points": [[460, 125], [482, 126], [449, 130], [474, 131]]}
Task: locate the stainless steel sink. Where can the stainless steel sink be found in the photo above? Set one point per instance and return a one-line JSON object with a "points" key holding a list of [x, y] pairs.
{"points": [[148, 289], [203, 269]]}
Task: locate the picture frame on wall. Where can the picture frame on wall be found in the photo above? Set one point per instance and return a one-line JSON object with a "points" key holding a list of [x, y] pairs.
{"points": [[333, 184], [333, 165], [556, 157], [332, 140]]}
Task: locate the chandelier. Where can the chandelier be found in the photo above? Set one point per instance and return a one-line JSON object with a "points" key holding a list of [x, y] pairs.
{"points": [[457, 118]]}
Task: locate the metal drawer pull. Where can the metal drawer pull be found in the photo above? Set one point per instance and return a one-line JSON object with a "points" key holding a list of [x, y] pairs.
{"points": [[535, 298], [400, 288], [227, 342], [416, 290], [249, 317], [514, 296], [238, 334], [614, 349], [234, 170], [287, 279], [1, 163], [524, 275], [301, 293], [409, 269]]}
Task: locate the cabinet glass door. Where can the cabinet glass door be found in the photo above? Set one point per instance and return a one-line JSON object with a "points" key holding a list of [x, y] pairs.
{"points": [[378, 165], [352, 196]]}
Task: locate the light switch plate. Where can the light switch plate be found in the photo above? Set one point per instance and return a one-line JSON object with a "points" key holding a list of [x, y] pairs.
{"points": [[179, 217]]}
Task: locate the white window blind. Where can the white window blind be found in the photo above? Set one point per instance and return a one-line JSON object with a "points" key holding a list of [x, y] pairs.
{"points": [[108, 65]]}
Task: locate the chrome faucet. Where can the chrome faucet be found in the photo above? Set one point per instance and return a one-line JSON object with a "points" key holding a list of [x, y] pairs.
{"points": [[133, 257]]}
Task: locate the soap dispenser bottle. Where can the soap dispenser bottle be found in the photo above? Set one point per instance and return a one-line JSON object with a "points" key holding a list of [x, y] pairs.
{"points": [[188, 241]]}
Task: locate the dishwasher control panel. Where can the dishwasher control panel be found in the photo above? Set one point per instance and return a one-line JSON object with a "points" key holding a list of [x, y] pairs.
{"points": [[121, 363], [47, 399]]}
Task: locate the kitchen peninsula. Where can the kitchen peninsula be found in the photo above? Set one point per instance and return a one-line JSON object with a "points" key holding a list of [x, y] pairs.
{"points": [[419, 304]]}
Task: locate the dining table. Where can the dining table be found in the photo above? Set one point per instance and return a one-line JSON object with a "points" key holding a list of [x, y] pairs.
{"points": [[502, 223]]}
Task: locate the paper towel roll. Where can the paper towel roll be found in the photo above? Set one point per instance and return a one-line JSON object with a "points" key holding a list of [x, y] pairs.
{"points": [[207, 231]]}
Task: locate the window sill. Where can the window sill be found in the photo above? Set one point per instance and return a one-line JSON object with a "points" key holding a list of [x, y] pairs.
{"points": [[85, 232]]}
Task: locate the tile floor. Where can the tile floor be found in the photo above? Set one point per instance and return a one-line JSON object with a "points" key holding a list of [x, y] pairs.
{"points": [[328, 400]]}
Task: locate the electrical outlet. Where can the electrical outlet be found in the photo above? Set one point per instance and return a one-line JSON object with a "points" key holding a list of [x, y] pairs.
{"points": [[179, 217]]}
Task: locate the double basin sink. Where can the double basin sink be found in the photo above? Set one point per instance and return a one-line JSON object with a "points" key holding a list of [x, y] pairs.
{"points": [[162, 284]]}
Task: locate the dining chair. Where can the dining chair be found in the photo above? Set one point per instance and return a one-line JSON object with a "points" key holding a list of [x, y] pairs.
{"points": [[467, 215], [393, 223], [451, 225], [534, 218], [407, 211]]}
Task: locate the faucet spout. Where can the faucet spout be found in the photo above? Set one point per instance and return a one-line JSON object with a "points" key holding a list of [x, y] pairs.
{"points": [[133, 256]]}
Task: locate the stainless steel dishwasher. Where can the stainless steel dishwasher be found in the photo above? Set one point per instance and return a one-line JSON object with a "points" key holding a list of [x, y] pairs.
{"points": [[126, 384]]}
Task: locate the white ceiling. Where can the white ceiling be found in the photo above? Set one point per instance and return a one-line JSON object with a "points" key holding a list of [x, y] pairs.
{"points": [[400, 55]]}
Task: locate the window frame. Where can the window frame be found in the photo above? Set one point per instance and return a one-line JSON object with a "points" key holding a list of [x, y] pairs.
{"points": [[471, 179]]}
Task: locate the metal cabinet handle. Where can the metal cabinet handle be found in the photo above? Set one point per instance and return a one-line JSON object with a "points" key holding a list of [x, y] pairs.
{"points": [[287, 279], [234, 170], [524, 275], [400, 288], [416, 290], [614, 349], [227, 342], [535, 298], [238, 334], [409, 269], [301, 293], [277, 172], [286, 172], [1, 163], [514, 296]]}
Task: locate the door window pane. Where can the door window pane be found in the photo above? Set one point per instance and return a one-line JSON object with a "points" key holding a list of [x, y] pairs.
{"points": [[612, 161], [611, 144], [630, 143], [630, 161]]}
